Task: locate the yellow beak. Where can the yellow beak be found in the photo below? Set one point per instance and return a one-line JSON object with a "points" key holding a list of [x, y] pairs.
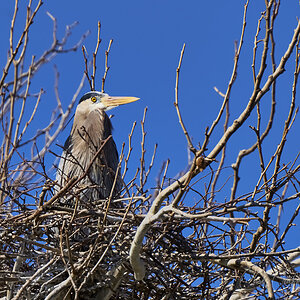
{"points": [[109, 101]]}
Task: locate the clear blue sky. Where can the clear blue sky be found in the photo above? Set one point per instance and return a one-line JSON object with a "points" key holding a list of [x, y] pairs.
{"points": [[148, 37]]}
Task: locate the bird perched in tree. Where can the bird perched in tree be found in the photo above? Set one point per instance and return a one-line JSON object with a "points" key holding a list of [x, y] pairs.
{"points": [[91, 129]]}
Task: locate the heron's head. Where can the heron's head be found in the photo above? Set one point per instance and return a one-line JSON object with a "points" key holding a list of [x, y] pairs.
{"points": [[97, 100]]}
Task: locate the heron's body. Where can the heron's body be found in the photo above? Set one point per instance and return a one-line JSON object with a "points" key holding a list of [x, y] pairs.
{"points": [[90, 129]]}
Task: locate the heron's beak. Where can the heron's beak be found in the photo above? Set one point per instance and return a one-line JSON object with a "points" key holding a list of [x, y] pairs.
{"points": [[110, 101]]}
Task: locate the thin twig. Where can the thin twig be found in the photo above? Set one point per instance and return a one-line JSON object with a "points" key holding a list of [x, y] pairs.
{"points": [[106, 65]]}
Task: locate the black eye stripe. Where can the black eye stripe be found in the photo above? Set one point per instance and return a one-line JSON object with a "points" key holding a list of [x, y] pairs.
{"points": [[88, 96]]}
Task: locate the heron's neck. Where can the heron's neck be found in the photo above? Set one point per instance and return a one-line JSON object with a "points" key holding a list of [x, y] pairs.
{"points": [[94, 126]]}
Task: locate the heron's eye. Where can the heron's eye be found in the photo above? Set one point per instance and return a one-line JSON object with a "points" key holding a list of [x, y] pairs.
{"points": [[94, 99]]}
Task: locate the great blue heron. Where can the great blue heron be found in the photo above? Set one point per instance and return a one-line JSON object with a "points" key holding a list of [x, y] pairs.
{"points": [[90, 128]]}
